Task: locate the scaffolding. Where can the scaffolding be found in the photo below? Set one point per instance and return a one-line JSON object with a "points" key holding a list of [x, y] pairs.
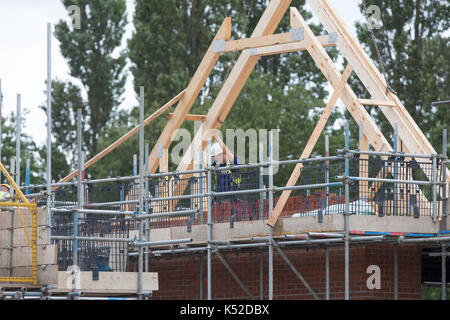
{"points": [[102, 225], [332, 185]]}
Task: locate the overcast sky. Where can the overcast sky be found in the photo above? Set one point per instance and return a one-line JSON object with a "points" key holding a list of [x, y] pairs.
{"points": [[23, 55]]}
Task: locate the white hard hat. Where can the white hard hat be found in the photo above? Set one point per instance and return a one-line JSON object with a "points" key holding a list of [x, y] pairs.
{"points": [[216, 149]]}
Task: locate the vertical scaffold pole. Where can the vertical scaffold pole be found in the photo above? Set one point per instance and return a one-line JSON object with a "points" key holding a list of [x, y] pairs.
{"points": [[201, 189], [201, 277], [27, 176], [261, 276], [135, 188], [270, 214], [147, 208], [261, 182], [444, 215], [11, 223], [12, 172], [1, 106], [327, 273], [395, 169], [191, 184], [49, 129], [444, 180], [347, 213], [395, 272], [434, 190], [327, 170], [141, 190], [79, 198], [209, 219], [444, 272], [18, 125]]}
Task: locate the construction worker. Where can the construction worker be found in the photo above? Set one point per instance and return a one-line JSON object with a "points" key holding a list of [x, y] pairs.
{"points": [[5, 192], [224, 181]]}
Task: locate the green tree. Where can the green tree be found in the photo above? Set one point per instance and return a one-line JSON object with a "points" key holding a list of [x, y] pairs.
{"points": [[413, 43], [120, 161], [66, 100], [91, 53]]}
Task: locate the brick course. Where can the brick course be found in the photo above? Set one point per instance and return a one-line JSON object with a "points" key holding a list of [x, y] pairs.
{"points": [[179, 276]]}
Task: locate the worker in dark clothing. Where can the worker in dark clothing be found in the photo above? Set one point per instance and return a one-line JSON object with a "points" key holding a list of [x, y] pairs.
{"points": [[224, 181]]}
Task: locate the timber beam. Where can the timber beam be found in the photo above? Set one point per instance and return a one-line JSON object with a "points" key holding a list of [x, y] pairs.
{"points": [[190, 117], [367, 102], [294, 41]]}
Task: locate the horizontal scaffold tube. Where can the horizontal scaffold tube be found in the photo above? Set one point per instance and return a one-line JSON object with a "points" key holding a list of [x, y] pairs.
{"points": [[158, 243], [187, 172], [330, 240], [417, 182], [92, 239], [433, 239], [167, 214], [262, 244], [388, 154], [217, 194], [94, 211], [133, 242]]}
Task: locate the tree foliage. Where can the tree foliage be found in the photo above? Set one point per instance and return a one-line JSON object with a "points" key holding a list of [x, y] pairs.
{"points": [[91, 53]]}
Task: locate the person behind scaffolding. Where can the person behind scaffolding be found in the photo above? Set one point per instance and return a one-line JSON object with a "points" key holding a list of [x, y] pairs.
{"points": [[224, 181], [5, 193]]}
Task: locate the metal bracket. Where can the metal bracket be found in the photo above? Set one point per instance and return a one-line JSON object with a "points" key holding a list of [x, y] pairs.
{"points": [[189, 224], [160, 151], [47, 291], [332, 37], [253, 51], [74, 295], [219, 45], [146, 295], [20, 294], [297, 34], [95, 273]]}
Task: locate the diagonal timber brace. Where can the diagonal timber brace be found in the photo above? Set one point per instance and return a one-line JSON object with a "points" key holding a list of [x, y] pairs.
{"points": [[311, 143]]}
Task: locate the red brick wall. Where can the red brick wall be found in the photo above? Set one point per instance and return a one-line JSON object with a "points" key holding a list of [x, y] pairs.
{"points": [[179, 277]]}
